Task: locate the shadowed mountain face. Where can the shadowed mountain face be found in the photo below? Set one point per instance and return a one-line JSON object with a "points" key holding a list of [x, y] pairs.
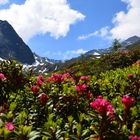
{"points": [[12, 46]]}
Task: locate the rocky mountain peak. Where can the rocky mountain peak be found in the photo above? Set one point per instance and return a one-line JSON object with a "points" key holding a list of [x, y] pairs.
{"points": [[131, 40], [12, 46]]}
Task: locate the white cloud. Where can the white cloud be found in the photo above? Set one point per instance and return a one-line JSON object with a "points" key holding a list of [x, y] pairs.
{"points": [[84, 37], [127, 24], [103, 32], [40, 17], [2, 2]]}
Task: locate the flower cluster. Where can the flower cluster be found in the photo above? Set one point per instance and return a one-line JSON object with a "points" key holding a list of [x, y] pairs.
{"points": [[103, 107], [57, 78], [9, 126], [130, 76], [2, 77], [35, 89], [128, 102], [81, 88], [43, 98], [67, 77], [84, 78], [40, 80], [134, 137]]}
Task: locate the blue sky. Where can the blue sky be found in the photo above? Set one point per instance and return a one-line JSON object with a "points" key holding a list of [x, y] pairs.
{"points": [[67, 28]]}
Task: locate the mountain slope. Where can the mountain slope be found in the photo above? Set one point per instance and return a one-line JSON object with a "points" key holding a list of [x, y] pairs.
{"points": [[90, 58], [130, 41], [43, 64], [12, 46], [96, 61], [127, 44]]}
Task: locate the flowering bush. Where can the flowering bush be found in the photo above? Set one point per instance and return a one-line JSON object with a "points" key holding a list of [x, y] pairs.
{"points": [[9, 126], [128, 102], [66, 106], [81, 88], [103, 107], [43, 98], [2, 77], [134, 138]]}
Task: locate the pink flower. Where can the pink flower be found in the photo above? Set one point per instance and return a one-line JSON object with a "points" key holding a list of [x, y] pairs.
{"points": [[81, 88], [103, 107], [35, 89], [50, 79], [130, 75], [84, 78], [40, 78], [128, 102], [66, 75], [39, 82], [57, 78], [43, 98], [9, 126], [2, 77], [134, 137]]}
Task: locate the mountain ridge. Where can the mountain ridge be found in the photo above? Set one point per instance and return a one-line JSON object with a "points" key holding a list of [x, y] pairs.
{"points": [[12, 46]]}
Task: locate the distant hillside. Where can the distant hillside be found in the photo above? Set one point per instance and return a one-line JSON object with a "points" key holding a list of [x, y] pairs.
{"points": [[131, 41], [95, 64], [43, 64], [103, 59], [129, 44], [12, 46]]}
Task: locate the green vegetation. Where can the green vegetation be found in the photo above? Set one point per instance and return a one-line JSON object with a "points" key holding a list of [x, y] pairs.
{"points": [[94, 66], [92, 99]]}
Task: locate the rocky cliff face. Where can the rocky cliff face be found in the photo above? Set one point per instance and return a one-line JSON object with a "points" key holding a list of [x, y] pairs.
{"points": [[12, 46]]}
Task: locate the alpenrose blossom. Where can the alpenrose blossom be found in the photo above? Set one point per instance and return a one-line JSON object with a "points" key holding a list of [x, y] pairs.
{"points": [[81, 88], [43, 98], [39, 82], [84, 78], [128, 102], [40, 77], [67, 77], [131, 75], [57, 78], [134, 137], [35, 89], [9, 126], [103, 107], [2, 77]]}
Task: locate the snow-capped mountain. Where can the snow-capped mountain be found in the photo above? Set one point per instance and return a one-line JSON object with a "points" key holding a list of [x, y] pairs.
{"points": [[98, 52], [43, 64], [125, 46], [130, 41]]}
